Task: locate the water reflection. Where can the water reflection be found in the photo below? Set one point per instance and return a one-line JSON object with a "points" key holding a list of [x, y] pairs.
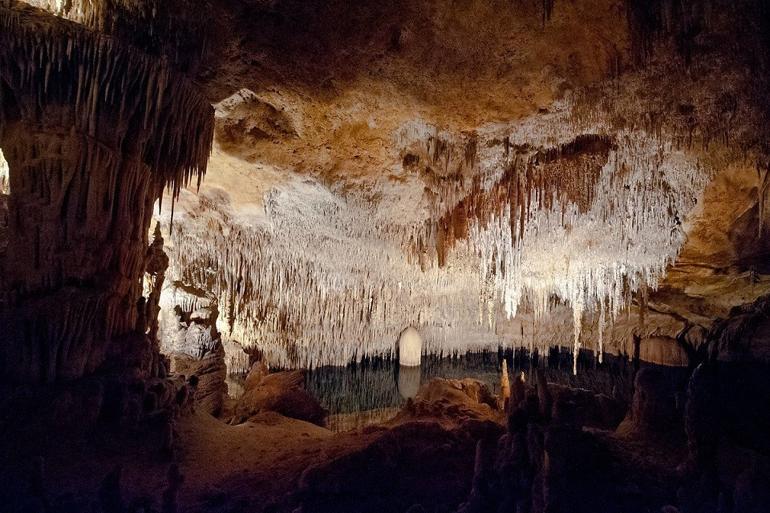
{"points": [[376, 388], [408, 381]]}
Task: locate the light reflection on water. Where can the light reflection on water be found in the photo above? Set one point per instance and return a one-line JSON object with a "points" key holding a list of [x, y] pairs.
{"points": [[374, 390]]}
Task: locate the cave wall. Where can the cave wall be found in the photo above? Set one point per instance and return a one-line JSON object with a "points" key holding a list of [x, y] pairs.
{"points": [[92, 131]]}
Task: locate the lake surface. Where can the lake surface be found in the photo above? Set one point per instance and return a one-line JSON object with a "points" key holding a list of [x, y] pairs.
{"points": [[374, 389]]}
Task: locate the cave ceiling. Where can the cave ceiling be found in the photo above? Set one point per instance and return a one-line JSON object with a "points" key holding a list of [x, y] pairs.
{"points": [[518, 172]]}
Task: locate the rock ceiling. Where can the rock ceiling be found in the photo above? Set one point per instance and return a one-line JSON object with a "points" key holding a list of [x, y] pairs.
{"points": [[490, 172]]}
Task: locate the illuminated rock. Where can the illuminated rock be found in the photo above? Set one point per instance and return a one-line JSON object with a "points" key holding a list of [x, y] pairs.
{"points": [[409, 348]]}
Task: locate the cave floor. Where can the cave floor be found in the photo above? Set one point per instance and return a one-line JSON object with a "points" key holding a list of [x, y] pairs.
{"points": [[246, 467], [423, 457]]}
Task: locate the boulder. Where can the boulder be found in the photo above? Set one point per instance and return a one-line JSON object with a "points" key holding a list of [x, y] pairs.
{"points": [[280, 392], [462, 391], [579, 407]]}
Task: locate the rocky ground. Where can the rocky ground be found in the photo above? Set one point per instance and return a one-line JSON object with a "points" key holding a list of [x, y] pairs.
{"points": [[455, 447]]}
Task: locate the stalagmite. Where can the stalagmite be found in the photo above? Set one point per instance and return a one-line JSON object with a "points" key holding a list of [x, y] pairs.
{"points": [[4, 174], [505, 386], [409, 348]]}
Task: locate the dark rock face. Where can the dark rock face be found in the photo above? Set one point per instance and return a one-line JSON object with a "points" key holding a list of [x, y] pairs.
{"points": [[656, 407], [744, 336], [280, 392], [726, 419], [584, 408], [208, 374], [422, 460], [88, 155], [557, 459]]}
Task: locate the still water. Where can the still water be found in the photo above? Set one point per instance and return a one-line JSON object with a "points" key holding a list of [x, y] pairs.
{"points": [[374, 389]]}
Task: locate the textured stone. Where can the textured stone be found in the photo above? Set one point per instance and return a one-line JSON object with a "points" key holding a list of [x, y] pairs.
{"points": [[281, 392]]}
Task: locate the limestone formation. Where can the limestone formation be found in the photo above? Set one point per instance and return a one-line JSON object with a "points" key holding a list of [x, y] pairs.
{"points": [[406, 204], [280, 392], [409, 348], [505, 386], [113, 127]]}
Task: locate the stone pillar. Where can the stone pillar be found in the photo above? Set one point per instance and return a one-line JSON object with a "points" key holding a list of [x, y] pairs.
{"points": [[78, 212], [92, 131]]}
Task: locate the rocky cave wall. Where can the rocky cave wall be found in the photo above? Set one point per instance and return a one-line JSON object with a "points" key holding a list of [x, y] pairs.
{"points": [[92, 131]]}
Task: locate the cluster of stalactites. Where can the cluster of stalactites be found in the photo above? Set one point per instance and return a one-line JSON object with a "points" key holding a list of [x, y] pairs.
{"points": [[584, 224], [121, 96], [562, 175], [594, 258], [169, 28], [318, 286], [94, 13]]}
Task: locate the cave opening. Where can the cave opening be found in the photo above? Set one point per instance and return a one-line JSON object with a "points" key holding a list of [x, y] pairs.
{"points": [[412, 257]]}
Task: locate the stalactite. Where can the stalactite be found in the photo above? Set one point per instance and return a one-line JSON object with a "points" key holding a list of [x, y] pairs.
{"points": [[170, 28], [178, 126], [661, 21], [600, 334], [577, 319]]}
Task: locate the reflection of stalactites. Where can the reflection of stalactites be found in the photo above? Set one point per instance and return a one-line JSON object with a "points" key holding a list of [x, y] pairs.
{"points": [[577, 321], [602, 323]]}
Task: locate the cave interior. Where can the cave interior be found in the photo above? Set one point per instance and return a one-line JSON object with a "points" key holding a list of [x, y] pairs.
{"points": [[414, 256]]}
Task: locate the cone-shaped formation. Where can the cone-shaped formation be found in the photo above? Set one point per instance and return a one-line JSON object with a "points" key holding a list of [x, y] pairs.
{"points": [[92, 131], [4, 189]]}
